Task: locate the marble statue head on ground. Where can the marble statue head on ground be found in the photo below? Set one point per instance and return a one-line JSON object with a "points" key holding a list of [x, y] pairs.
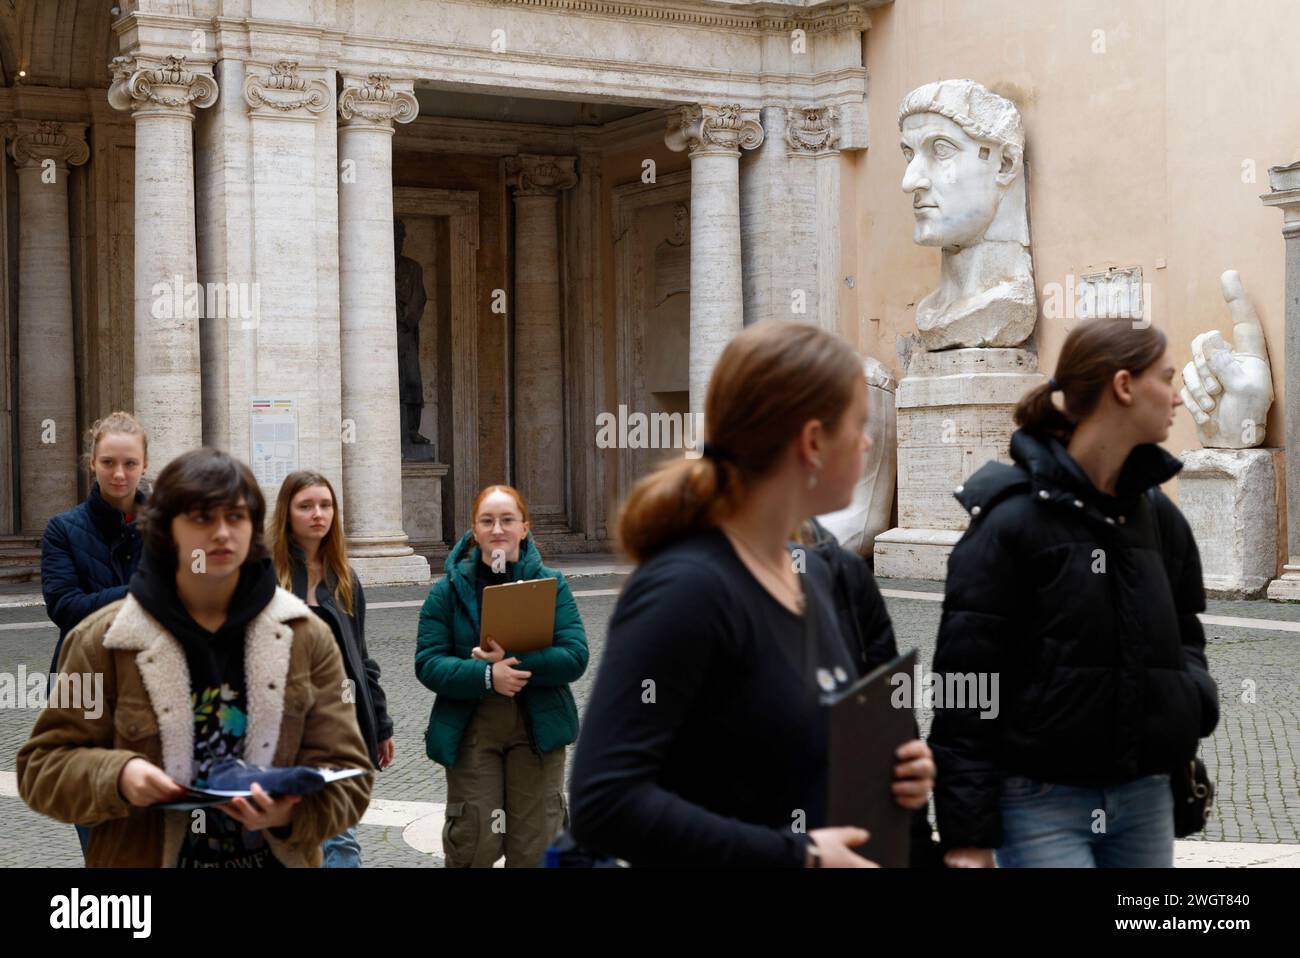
{"points": [[964, 148]]}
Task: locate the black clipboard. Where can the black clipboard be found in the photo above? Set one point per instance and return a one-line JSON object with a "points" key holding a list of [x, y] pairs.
{"points": [[865, 731]]}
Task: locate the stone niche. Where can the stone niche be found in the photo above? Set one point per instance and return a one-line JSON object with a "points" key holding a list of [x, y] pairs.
{"points": [[1230, 498]]}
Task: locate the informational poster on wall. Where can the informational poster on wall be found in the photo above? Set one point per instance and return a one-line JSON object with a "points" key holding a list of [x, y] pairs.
{"points": [[273, 436]]}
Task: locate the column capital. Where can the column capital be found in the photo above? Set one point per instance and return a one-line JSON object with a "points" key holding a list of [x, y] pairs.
{"points": [[377, 100], [141, 83], [1284, 193], [35, 141], [812, 130], [712, 129], [282, 91], [534, 175]]}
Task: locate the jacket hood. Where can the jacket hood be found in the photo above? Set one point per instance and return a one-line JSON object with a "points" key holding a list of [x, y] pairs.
{"points": [[460, 560], [460, 568], [1044, 467], [154, 587], [1050, 465]]}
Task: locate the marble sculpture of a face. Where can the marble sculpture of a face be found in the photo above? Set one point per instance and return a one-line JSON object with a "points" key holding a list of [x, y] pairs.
{"points": [[956, 182]]}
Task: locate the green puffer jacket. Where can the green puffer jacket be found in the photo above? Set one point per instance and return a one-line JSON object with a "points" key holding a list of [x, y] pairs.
{"points": [[449, 624]]}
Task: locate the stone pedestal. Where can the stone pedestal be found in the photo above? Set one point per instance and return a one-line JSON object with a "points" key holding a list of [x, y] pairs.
{"points": [[422, 500], [954, 415], [1230, 498]]}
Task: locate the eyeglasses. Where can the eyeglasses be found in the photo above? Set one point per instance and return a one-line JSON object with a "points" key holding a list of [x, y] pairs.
{"points": [[486, 523]]}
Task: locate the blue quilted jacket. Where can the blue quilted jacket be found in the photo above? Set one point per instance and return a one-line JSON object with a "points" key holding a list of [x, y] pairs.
{"points": [[88, 555]]}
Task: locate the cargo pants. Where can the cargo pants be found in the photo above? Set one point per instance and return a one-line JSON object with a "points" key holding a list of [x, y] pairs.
{"points": [[502, 796]]}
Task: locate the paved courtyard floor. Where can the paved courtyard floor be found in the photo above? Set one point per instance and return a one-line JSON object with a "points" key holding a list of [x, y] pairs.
{"points": [[1253, 650]]}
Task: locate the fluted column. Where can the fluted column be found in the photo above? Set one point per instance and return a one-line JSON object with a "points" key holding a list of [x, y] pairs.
{"points": [[713, 136], [372, 453], [538, 346], [47, 399], [812, 138], [162, 96], [1285, 195]]}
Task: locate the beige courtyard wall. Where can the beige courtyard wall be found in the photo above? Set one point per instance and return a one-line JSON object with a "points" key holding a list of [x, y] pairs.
{"points": [[1152, 153]]}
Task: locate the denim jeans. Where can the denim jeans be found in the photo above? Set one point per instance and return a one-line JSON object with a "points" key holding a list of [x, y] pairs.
{"points": [[1070, 826], [83, 836], [342, 851]]}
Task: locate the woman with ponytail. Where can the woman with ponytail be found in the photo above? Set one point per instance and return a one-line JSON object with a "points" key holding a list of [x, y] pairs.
{"points": [[704, 741], [1078, 584]]}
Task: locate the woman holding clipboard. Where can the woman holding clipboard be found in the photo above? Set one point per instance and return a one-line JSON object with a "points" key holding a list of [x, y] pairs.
{"points": [[500, 722]]}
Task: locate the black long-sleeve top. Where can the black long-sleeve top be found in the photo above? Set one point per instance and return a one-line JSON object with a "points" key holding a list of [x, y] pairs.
{"points": [[704, 742]]}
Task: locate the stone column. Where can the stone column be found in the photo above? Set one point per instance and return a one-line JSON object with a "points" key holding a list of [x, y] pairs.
{"points": [[812, 138], [162, 95], [372, 448], [47, 400], [713, 136], [538, 331], [1285, 194]]}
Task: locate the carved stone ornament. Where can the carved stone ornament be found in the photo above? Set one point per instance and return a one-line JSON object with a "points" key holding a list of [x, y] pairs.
{"points": [[377, 101], [681, 224], [533, 175], [286, 92], [812, 130], [35, 141], [139, 83], [706, 128]]}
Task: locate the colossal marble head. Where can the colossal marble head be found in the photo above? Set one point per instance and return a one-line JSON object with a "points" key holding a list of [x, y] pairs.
{"points": [[964, 148]]}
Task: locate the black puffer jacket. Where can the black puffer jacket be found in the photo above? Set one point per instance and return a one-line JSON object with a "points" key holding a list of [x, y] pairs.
{"points": [[1085, 606]]}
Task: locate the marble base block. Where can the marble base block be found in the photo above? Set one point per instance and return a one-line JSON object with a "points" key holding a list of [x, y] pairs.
{"points": [[422, 500], [1230, 497], [954, 415], [391, 570]]}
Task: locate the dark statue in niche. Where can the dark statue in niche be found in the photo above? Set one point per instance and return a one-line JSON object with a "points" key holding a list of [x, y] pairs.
{"points": [[410, 307]]}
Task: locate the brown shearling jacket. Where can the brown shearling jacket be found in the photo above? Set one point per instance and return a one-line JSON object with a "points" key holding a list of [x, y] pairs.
{"points": [[297, 715]]}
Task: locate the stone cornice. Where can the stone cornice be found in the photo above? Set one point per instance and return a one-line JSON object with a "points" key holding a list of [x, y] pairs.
{"points": [[282, 90], [767, 18], [374, 100], [166, 82], [534, 175], [35, 141]]}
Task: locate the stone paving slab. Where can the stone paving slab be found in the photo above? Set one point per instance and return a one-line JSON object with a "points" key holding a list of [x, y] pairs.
{"points": [[1252, 756]]}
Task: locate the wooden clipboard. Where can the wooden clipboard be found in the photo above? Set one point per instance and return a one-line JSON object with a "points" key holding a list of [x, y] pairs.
{"points": [[865, 731], [520, 616]]}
